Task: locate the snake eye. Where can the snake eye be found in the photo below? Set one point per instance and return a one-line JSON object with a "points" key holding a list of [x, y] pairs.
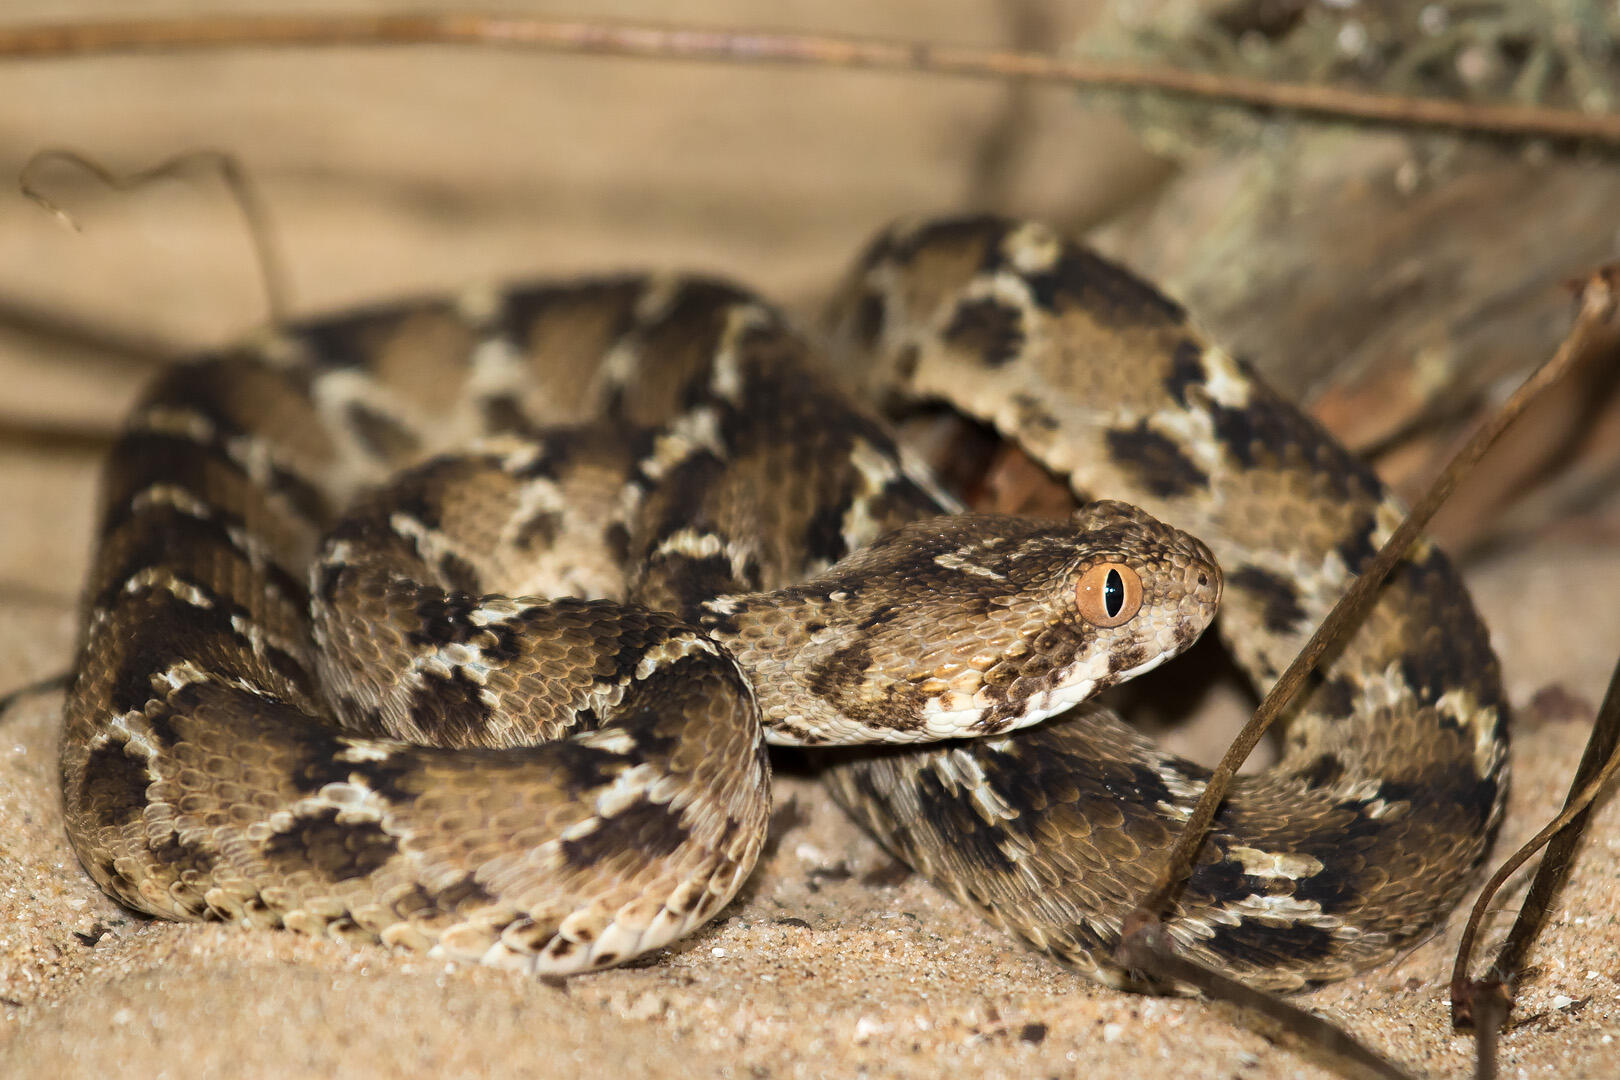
{"points": [[1108, 594]]}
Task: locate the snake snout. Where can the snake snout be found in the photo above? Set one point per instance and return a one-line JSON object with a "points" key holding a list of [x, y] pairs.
{"points": [[1203, 579], [1192, 584]]}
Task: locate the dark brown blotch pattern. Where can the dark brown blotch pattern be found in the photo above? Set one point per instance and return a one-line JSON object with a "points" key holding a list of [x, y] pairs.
{"points": [[650, 829], [113, 786], [382, 436], [1110, 293], [987, 328], [450, 711], [1186, 371], [1154, 461], [1276, 596], [332, 850]]}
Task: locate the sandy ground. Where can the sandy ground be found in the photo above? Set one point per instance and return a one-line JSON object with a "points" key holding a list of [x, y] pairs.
{"points": [[424, 169]]}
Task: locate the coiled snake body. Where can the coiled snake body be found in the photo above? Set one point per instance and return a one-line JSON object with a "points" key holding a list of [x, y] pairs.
{"points": [[456, 626]]}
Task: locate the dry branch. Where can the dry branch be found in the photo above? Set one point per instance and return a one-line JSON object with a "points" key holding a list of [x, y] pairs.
{"points": [[758, 46]]}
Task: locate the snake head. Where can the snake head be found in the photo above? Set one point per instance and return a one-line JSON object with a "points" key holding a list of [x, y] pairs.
{"points": [[1071, 609], [974, 624]]}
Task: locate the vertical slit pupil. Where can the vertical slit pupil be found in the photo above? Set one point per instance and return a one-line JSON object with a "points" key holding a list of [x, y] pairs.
{"points": [[1113, 593]]}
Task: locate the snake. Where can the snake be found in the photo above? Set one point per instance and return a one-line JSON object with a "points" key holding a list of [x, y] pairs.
{"points": [[463, 625]]}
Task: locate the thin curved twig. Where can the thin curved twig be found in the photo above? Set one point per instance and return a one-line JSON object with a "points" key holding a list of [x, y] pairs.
{"points": [[255, 213], [1492, 994], [50, 683], [600, 37], [1153, 952]]}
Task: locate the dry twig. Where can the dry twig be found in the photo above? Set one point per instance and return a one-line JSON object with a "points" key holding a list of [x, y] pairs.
{"points": [[255, 213], [1484, 1004], [755, 46]]}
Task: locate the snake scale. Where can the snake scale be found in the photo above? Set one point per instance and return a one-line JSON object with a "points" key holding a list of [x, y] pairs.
{"points": [[458, 625]]}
